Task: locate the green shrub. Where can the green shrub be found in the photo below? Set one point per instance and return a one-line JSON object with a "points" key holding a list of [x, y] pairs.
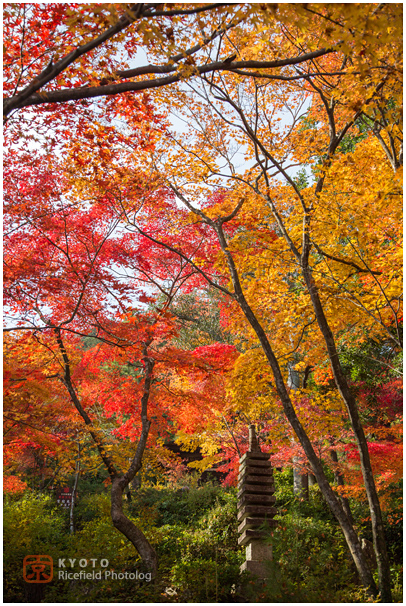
{"points": [[311, 562], [32, 525], [181, 506], [198, 553]]}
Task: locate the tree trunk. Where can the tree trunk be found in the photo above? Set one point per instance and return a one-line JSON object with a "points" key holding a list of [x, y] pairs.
{"points": [[238, 295], [352, 409], [300, 479], [73, 500], [300, 484], [119, 482], [335, 506], [128, 529], [331, 498], [340, 482]]}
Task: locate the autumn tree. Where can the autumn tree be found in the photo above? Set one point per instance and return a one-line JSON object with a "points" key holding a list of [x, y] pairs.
{"points": [[60, 54], [293, 255], [59, 287], [324, 272], [73, 276]]}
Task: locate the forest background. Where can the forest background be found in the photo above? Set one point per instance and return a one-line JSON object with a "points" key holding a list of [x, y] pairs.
{"points": [[167, 284]]}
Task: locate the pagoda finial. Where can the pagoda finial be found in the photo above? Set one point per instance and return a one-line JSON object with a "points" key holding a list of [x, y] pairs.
{"points": [[253, 440]]}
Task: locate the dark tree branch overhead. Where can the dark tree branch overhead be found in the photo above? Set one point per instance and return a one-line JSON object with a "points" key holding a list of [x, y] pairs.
{"points": [[152, 11], [135, 12], [33, 95], [224, 64], [344, 261], [169, 66]]}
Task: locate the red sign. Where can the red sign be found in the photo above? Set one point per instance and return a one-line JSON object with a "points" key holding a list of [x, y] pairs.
{"points": [[64, 497]]}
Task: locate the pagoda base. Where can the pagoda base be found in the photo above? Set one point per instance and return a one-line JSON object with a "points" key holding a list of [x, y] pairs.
{"points": [[257, 553]]}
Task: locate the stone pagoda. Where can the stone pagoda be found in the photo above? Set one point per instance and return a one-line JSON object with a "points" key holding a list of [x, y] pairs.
{"points": [[255, 512]]}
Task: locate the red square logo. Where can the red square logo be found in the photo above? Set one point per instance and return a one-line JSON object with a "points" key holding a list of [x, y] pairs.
{"points": [[38, 569]]}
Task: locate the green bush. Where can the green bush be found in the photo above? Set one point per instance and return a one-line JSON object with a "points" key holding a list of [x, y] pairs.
{"points": [[311, 562], [198, 553], [203, 557], [181, 506], [31, 525]]}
